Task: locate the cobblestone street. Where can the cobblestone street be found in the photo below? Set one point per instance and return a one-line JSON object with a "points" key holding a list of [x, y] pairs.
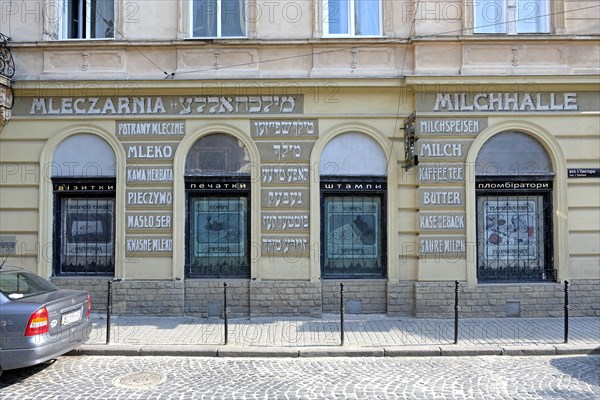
{"points": [[532, 377]]}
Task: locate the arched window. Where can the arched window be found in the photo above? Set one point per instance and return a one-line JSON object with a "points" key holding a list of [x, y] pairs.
{"points": [[83, 179], [353, 192], [514, 210], [217, 179]]}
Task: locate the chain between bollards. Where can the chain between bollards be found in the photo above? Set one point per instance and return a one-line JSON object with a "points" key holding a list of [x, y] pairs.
{"points": [[456, 283], [226, 330], [566, 324], [109, 309], [341, 314]]}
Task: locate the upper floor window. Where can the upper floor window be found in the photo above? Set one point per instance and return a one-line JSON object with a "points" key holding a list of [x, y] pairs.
{"points": [[87, 19], [512, 16], [352, 17], [218, 18]]}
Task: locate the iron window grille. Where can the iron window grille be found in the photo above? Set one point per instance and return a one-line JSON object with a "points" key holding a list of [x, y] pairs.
{"points": [[218, 227], [353, 234], [514, 230]]}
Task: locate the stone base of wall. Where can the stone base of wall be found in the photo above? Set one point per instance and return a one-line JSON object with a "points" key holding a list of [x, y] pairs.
{"points": [[401, 299], [360, 296], [205, 298], [96, 287], [285, 298], [584, 298], [527, 300], [148, 298]]}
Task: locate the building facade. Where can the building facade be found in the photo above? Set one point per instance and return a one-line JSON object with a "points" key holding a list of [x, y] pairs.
{"points": [[286, 147]]}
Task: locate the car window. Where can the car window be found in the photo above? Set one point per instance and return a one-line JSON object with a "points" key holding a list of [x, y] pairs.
{"points": [[17, 285]]}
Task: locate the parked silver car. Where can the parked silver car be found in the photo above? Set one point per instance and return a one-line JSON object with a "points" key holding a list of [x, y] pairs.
{"points": [[38, 321]]}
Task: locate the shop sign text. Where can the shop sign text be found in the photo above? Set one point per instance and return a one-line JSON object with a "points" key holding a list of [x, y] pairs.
{"points": [[150, 128], [441, 221], [161, 105], [149, 245], [441, 173], [455, 126], [156, 221], [141, 198], [291, 128], [506, 102]]}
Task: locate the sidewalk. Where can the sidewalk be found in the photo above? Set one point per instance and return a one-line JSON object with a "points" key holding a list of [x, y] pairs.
{"points": [[365, 335]]}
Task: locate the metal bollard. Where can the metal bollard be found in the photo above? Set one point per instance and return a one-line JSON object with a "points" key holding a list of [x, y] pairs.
{"points": [[109, 308], [342, 313], [456, 283], [566, 324], [226, 330]]}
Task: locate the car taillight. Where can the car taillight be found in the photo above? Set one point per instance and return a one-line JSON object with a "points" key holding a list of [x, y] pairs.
{"points": [[89, 309], [38, 323]]}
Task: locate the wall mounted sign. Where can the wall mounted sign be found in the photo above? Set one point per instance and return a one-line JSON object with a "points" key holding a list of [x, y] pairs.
{"points": [[83, 187], [149, 220], [150, 152], [285, 151], [147, 197], [288, 221], [474, 101], [583, 172], [513, 185], [285, 198], [450, 126], [441, 198], [434, 221], [149, 174], [288, 128], [353, 186], [442, 245], [441, 173], [429, 150], [133, 129], [157, 105], [142, 244], [8, 245], [285, 173], [290, 247]]}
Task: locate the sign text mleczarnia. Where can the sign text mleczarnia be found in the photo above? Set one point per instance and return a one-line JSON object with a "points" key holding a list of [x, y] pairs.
{"points": [[160, 105]]}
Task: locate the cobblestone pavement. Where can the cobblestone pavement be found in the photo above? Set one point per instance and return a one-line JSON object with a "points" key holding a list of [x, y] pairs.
{"points": [[544, 377], [361, 330]]}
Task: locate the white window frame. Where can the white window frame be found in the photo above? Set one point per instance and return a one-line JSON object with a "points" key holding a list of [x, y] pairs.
{"points": [[85, 28], [219, 35], [351, 22], [510, 16]]}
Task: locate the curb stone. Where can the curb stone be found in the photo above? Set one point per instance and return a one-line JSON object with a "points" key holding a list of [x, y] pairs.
{"points": [[455, 351], [281, 352], [339, 351], [413, 351], [342, 352], [543, 350], [569, 349], [179, 350]]}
